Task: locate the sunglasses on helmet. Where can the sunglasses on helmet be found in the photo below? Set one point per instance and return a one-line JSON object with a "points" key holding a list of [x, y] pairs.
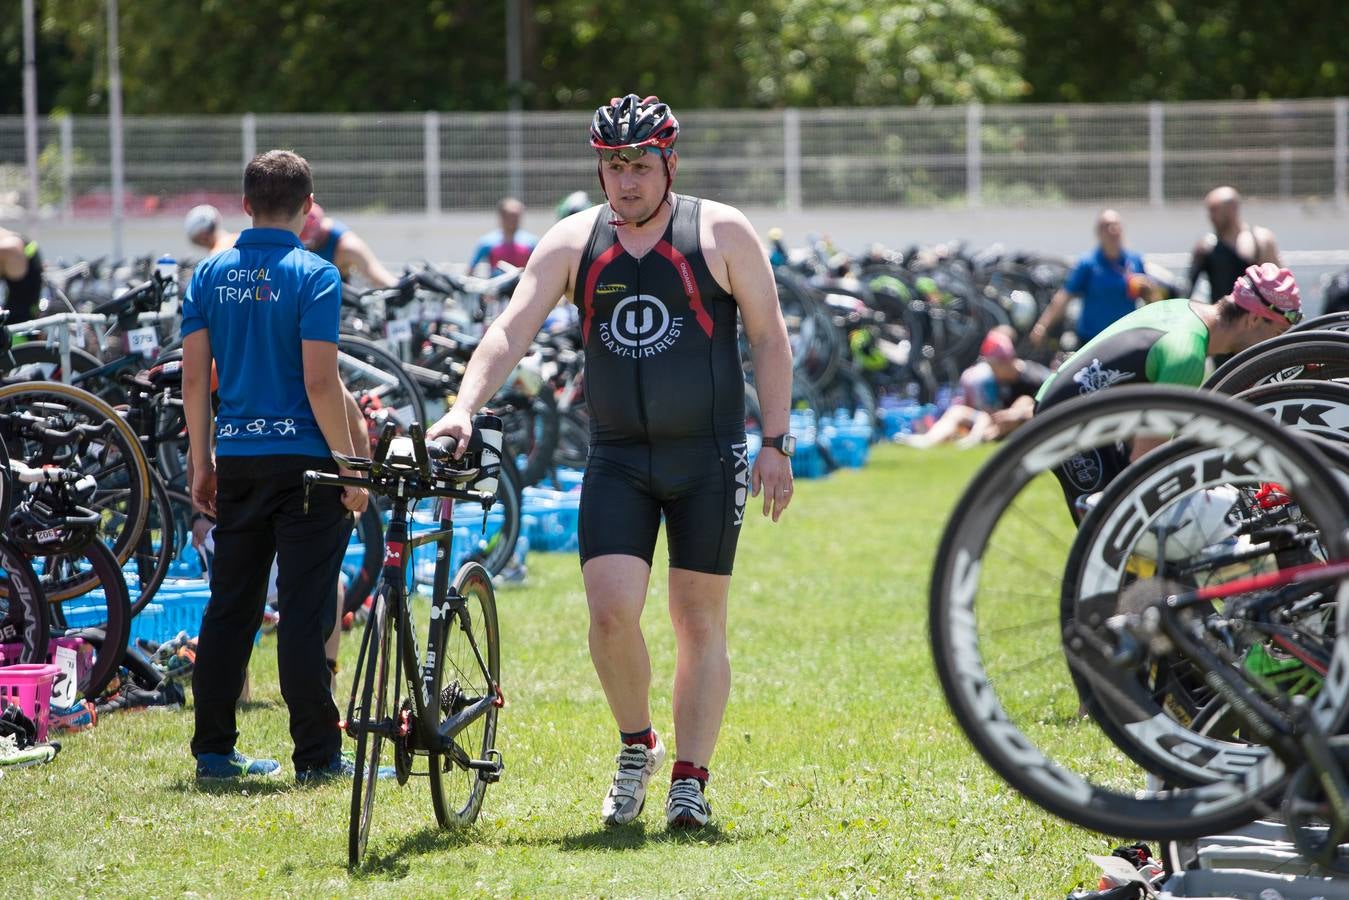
{"points": [[1292, 315], [625, 154]]}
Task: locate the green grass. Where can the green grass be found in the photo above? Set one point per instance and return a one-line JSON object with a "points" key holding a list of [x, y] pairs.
{"points": [[839, 770]]}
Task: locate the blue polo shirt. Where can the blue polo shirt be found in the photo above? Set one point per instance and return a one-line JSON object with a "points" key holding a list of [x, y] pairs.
{"points": [[259, 300], [1102, 284]]}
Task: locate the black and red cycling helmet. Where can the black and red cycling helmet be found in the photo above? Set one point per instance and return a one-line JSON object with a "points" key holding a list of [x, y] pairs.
{"points": [[634, 122]]}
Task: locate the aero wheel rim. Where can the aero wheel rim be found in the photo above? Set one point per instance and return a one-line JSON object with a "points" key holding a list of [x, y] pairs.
{"points": [[999, 630]]}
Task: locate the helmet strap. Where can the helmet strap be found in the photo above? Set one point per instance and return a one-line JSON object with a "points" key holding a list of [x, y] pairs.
{"points": [[617, 221]]}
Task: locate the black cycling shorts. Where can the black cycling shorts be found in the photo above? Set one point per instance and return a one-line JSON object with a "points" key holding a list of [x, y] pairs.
{"points": [[700, 485], [1086, 473]]}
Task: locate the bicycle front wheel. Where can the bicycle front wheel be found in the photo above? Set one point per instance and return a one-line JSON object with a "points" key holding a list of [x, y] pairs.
{"points": [[466, 672], [1006, 660], [369, 720]]}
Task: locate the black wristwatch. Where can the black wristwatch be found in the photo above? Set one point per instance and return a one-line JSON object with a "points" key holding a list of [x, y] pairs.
{"points": [[783, 443]]}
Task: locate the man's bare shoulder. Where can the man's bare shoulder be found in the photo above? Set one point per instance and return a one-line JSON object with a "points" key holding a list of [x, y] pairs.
{"points": [[571, 234], [726, 226]]}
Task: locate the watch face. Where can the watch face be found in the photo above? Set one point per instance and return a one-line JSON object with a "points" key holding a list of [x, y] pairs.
{"points": [[787, 443]]}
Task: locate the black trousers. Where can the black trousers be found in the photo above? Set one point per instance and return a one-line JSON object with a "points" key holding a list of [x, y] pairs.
{"points": [[260, 506]]}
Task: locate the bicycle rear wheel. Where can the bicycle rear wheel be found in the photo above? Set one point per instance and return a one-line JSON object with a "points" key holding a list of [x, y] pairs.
{"points": [[1005, 660], [24, 613], [102, 616], [370, 719], [457, 792]]}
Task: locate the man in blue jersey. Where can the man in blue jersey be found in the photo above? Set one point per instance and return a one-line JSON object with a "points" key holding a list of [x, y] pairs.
{"points": [[266, 311], [1110, 280], [336, 243]]}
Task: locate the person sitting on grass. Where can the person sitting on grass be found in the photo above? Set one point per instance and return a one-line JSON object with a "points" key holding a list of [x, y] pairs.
{"points": [[997, 395]]}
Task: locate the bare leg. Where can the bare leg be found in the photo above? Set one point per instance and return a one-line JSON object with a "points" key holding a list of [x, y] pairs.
{"points": [[947, 428], [616, 592], [702, 683]]}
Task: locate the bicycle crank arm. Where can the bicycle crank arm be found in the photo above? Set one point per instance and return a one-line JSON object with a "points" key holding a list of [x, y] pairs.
{"points": [[462, 719]]}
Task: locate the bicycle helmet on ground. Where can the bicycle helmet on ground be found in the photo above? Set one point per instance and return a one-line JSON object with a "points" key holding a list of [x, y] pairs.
{"points": [[632, 123]]}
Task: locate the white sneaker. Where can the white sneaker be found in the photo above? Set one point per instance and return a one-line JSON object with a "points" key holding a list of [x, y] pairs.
{"points": [[627, 795], [687, 806]]}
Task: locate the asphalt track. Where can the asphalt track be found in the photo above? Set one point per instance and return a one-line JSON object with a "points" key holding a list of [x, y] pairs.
{"points": [[1315, 235]]}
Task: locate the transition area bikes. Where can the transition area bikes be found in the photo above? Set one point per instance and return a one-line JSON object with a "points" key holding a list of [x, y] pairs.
{"points": [[1177, 665]]}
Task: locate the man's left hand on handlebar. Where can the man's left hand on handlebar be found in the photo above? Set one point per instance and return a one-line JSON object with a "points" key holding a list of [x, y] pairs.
{"points": [[456, 424]]}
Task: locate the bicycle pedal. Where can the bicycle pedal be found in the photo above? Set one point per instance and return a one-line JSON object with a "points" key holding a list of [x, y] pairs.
{"points": [[493, 775]]}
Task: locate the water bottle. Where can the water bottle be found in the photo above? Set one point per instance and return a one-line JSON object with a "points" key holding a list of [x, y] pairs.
{"points": [[166, 268], [489, 427]]}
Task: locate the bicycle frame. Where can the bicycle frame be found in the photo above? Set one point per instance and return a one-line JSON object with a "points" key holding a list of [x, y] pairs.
{"points": [[446, 606]]}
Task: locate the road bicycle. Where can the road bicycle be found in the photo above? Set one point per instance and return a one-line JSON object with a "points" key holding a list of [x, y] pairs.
{"points": [[438, 705], [1224, 549]]}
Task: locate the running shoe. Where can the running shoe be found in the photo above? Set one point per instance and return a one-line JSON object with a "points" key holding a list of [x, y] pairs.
{"points": [[225, 767], [342, 765], [687, 806], [627, 795]]}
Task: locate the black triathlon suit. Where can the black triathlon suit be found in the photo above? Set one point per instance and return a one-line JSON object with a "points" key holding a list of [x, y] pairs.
{"points": [[1221, 262], [23, 296], [666, 396]]}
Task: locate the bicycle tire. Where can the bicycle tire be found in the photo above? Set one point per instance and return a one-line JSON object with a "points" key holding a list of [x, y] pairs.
{"points": [[48, 360], [109, 628], [158, 545], [369, 533], [1334, 321], [1322, 355], [1319, 408], [25, 617], [573, 440], [474, 584], [373, 668], [978, 675], [1177, 687], [532, 429], [496, 552], [118, 465], [356, 357]]}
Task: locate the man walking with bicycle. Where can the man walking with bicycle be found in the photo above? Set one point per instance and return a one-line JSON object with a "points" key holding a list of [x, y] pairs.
{"points": [[659, 279], [266, 311]]}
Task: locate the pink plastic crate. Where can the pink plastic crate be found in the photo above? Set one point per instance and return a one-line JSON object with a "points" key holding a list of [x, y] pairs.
{"points": [[84, 655], [29, 686]]}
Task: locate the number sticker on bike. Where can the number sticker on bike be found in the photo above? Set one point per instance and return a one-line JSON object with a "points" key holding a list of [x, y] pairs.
{"points": [[144, 341], [398, 330]]}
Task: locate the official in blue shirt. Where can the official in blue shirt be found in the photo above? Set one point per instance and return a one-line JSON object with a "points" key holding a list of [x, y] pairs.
{"points": [[266, 312], [1109, 280]]}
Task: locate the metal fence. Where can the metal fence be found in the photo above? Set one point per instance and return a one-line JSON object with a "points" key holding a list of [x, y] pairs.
{"points": [[1014, 155]]}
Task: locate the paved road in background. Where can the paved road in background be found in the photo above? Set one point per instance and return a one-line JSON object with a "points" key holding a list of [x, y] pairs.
{"points": [[1318, 232]]}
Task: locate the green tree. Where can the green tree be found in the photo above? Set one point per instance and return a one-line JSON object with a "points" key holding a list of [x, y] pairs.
{"points": [[1174, 50], [886, 53]]}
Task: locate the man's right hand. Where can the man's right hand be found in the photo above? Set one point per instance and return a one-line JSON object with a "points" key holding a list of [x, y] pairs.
{"points": [[456, 424], [203, 488], [355, 499]]}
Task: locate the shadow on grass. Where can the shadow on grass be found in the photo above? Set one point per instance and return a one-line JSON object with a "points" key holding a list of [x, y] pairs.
{"points": [[254, 787], [394, 863], [427, 840], [637, 836]]}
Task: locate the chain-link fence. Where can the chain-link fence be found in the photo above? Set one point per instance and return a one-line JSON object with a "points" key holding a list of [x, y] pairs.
{"points": [[992, 156]]}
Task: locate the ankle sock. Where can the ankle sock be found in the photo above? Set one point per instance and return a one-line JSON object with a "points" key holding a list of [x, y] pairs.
{"points": [[646, 736], [683, 769]]}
